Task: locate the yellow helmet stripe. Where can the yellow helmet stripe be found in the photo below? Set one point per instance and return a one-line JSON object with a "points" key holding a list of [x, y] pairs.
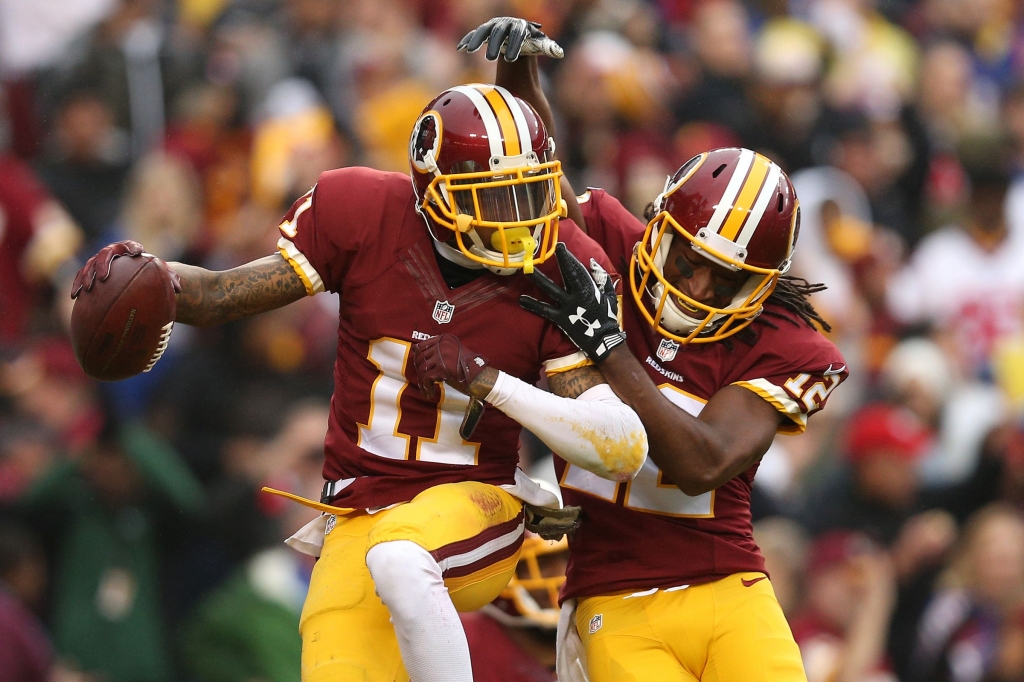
{"points": [[745, 201], [509, 131], [728, 200], [525, 139], [763, 199]]}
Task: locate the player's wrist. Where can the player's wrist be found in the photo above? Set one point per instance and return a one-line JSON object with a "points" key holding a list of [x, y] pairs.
{"points": [[483, 383]]}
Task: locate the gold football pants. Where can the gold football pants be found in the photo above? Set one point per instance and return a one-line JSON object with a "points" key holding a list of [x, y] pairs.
{"points": [[731, 630], [473, 530]]}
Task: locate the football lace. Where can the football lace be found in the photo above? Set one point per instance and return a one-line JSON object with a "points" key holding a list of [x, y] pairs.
{"points": [[165, 337]]}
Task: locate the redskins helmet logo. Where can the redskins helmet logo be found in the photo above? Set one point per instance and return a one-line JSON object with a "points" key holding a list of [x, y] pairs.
{"points": [[426, 137]]}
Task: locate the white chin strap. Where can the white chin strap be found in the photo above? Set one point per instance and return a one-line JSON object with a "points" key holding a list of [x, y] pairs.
{"points": [[450, 253], [672, 317]]}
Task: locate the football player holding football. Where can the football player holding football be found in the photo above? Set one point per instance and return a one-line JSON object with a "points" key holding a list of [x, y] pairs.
{"points": [[424, 518], [722, 353]]}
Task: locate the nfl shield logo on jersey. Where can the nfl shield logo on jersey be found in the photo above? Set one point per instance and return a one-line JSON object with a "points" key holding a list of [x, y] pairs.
{"points": [[443, 311], [667, 350], [596, 622]]}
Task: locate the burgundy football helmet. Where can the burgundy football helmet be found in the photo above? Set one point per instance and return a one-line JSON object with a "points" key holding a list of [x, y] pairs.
{"points": [[483, 169], [738, 209]]}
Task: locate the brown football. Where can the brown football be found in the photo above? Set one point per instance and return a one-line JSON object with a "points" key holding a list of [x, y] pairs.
{"points": [[121, 327]]}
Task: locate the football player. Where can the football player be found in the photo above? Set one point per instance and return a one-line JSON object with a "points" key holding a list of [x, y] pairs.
{"points": [[722, 353], [424, 518]]}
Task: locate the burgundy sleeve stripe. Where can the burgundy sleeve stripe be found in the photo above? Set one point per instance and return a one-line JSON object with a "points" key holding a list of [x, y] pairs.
{"points": [[470, 555]]}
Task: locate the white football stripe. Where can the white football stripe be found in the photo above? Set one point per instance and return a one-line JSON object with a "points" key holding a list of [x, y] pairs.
{"points": [[771, 183], [517, 114], [728, 199], [471, 557], [486, 115]]}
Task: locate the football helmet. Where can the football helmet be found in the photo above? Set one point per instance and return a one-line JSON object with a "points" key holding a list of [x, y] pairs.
{"points": [[739, 210], [531, 597], [484, 171]]}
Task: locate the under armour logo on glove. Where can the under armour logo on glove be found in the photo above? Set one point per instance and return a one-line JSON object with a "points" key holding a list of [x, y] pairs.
{"points": [[578, 317], [586, 310]]}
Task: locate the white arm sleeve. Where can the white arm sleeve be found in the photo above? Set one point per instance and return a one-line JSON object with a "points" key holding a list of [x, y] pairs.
{"points": [[596, 431]]}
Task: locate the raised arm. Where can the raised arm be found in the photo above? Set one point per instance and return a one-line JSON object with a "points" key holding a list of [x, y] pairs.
{"points": [[514, 44], [205, 297]]}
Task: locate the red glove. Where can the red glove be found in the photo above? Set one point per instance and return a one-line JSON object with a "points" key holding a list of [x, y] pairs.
{"points": [[100, 265], [444, 358]]}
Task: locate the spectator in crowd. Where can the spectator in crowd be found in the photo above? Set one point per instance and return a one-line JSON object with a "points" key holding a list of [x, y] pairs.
{"points": [[37, 239], [851, 592], [964, 281], [973, 628], [110, 517], [26, 654], [248, 628]]}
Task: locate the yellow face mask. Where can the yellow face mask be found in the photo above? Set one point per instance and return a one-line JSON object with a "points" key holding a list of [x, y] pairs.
{"points": [[518, 208]]}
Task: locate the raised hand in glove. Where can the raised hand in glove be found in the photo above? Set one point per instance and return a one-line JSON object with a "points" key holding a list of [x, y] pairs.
{"points": [[586, 310], [98, 267], [512, 37], [444, 358]]}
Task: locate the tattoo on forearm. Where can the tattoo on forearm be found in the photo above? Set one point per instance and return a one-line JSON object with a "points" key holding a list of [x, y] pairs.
{"points": [[209, 298], [573, 383]]}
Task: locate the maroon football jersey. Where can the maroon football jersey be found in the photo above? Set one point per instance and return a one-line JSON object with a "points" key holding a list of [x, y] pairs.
{"points": [[357, 233], [648, 533]]}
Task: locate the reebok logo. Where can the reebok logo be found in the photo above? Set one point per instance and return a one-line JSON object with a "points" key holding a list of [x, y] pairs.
{"points": [[751, 583]]}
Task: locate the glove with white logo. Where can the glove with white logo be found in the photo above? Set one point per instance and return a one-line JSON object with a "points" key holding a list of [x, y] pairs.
{"points": [[587, 310], [444, 358], [512, 37]]}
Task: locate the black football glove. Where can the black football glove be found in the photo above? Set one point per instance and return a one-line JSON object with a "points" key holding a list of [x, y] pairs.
{"points": [[587, 310], [512, 37]]}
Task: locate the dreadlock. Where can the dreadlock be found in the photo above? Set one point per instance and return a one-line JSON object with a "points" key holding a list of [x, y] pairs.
{"points": [[792, 293]]}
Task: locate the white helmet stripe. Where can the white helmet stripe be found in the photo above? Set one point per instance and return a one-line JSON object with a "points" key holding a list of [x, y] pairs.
{"points": [[486, 115], [728, 199], [771, 184], [517, 114]]}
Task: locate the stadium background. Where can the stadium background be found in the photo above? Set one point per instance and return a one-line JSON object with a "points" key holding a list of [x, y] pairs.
{"points": [[133, 543]]}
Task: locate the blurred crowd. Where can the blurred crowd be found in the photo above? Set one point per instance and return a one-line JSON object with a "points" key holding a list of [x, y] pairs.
{"points": [[134, 544]]}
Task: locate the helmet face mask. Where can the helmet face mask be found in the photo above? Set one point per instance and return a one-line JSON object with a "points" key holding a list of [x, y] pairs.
{"points": [[485, 180], [733, 207]]}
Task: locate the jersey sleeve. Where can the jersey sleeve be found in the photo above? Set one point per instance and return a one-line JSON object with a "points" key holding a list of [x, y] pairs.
{"points": [[611, 225], [796, 375], [326, 227], [559, 353]]}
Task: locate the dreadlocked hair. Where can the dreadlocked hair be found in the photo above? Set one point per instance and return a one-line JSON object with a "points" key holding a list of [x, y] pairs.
{"points": [[792, 293]]}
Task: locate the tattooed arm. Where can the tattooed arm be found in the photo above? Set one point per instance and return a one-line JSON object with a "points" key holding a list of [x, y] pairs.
{"points": [[208, 298]]}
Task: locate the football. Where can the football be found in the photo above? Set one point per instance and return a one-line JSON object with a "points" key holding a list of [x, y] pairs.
{"points": [[121, 327]]}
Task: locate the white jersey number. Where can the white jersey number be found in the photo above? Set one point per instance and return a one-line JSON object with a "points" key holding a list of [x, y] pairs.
{"points": [[380, 435], [648, 492]]}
